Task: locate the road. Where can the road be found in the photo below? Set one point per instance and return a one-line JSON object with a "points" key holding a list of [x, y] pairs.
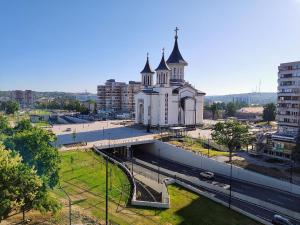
{"points": [[168, 168]]}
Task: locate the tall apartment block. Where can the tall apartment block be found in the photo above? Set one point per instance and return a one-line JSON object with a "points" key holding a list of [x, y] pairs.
{"points": [[288, 109], [117, 96], [24, 98]]}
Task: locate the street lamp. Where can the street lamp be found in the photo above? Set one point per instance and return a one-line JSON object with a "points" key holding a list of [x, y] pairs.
{"points": [[230, 179], [291, 168], [158, 166], [70, 204], [106, 191]]}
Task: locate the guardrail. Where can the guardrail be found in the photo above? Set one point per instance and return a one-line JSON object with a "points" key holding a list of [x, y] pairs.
{"points": [[165, 200], [127, 142]]}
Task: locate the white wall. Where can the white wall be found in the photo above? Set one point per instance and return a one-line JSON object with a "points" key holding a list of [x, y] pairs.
{"points": [[179, 155]]}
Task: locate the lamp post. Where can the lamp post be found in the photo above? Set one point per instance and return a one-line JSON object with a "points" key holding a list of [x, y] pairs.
{"points": [[158, 166], [132, 161], [291, 168], [70, 204], [230, 179], [106, 192], [208, 147]]}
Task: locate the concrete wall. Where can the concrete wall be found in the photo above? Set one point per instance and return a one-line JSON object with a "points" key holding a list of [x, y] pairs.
{"points": [[77, 120], [179, 155]]}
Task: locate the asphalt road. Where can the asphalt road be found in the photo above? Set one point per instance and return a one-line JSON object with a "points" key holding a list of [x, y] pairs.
{"points": [[169, 168]]}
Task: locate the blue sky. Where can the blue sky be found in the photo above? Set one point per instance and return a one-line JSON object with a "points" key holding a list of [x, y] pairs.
{"points": [[72, 45]]}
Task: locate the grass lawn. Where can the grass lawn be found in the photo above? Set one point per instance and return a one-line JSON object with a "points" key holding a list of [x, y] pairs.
{"points": [[196, 145], [83, 178], [39, 112], [41, 124]]}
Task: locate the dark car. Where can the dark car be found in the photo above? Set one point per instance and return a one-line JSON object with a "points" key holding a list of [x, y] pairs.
{"points": [[207, 175], [280, 220]]}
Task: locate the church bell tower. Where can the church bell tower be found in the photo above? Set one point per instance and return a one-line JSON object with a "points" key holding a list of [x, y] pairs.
{"points": [[147, 74]]}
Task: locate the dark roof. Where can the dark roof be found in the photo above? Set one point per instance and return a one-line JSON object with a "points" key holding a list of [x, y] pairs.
{"points": [[149, 91], [176, 56], [163, 65], [147, 68]]}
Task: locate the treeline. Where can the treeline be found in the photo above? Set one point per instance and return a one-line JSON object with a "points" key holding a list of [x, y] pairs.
{"points": [[29, 166], [230, 108], [66, 104]]}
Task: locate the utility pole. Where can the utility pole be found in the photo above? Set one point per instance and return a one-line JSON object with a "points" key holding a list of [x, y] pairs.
{"points": [[230, 179], [158, 166], [291, 168], [132, 161], [106, 193], [208, 146], [70, 204]]}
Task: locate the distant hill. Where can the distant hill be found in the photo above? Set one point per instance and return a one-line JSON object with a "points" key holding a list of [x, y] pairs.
{"points": [[53, 94], [251, 98]]}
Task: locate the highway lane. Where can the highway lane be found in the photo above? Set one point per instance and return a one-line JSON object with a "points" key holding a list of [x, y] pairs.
{"points": [[257, 210], [169, 168], [274, 196]]}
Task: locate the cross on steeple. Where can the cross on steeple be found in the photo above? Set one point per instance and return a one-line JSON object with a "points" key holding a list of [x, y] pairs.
{"points": [[163, 51], [176, 32], [147, 55]]}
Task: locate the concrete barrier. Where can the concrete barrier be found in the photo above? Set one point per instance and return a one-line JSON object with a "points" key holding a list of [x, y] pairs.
{"points": [[77, 120], [267, 205], [173, 153]]}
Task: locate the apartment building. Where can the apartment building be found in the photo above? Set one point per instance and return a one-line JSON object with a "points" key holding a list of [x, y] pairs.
{"points": [[288, 110], [24, 98], [116, 96]]}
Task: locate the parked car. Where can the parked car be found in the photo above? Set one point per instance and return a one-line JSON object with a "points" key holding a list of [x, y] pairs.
{"points": [[68, 129], [207, 175], [280, 220]]}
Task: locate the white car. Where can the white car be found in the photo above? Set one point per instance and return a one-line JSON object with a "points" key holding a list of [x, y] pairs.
{"points": [[207, 175]]}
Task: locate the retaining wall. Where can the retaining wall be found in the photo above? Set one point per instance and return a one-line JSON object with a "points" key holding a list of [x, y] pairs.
{"points": [[77, 120], [182, 156]]}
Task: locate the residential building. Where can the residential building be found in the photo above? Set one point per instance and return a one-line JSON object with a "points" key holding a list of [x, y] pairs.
{"points": [[24, 98], [171, 101], [117, 96], [29, 97], [288, 110], [250, 113], [127, 99]]}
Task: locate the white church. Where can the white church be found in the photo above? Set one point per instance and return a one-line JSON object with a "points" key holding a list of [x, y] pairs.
{"points": [[170, 101]]}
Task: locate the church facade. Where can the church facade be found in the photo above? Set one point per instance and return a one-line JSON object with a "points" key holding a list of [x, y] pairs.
{"points": [[170, 101]]}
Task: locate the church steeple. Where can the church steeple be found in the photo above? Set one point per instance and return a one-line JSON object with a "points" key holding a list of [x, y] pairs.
{"points": [[147, 68], [176, 64], [147, 74], [162, 65], [162, 71], [176, 56]]}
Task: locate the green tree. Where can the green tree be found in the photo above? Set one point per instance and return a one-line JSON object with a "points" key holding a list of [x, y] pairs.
{"points": [[230, 109], [11, 107], [214, 110], [4, 125], [269, 112], [95, 108], [233, 135], [20, 187], [23, 125], [74, 134], [35, 147]]}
